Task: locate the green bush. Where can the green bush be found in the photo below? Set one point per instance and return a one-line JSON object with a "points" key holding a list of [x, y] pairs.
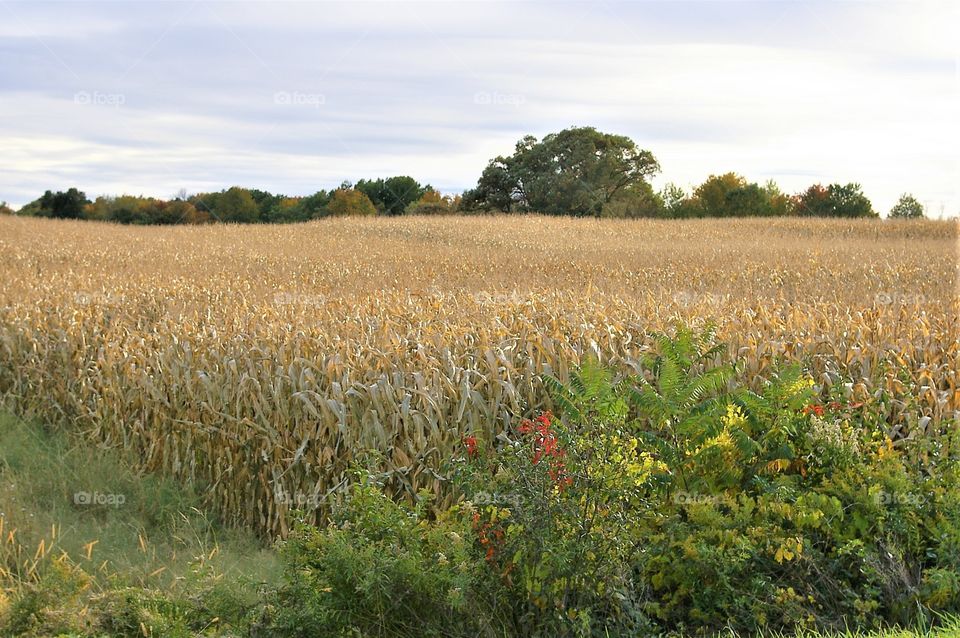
{"points": [[552, 511], [381, 569]]}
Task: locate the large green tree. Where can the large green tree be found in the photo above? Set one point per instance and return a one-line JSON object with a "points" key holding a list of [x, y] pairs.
{"points": [[578, 171]]}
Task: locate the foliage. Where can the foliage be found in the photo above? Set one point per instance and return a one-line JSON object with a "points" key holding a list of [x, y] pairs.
{"points": [[728, 508], [236, 205], [67, 204], [907, 207], [673, 198], [836, 200], [350, 202], [576, 172], [551, 512], [778, 202], [433, 203], [393, 195], [555, 538], [775, 511], [634, 201], [670, 500], [381, 568], [730, 195], [312, 207], [713, 195], [128, 209]]}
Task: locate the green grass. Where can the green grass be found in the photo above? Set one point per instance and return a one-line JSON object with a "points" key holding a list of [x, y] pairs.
{"points": [[950, 628], [150, 535]]}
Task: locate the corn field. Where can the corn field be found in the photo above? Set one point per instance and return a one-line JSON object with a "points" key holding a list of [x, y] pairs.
{"points": [[261, 362]]}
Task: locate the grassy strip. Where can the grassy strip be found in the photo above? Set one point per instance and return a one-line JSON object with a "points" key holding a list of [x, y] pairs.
{"points": [[90, 547]]}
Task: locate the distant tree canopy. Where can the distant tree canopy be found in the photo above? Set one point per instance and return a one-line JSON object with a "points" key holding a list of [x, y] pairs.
{"points": [[907, 207], [67, 204], [236, 205], [727, 195], [433, 203], [835, 200], [350, 201], [634, 201], [393, 195], [577, 172], [4, 209]]}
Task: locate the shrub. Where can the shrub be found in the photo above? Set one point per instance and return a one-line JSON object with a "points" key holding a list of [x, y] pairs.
{"points": [[722, 507], [381, 568], [551, 512], [907, 207]]}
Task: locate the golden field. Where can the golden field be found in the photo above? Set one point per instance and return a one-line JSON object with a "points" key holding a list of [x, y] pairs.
{"points": [[258, 361]]}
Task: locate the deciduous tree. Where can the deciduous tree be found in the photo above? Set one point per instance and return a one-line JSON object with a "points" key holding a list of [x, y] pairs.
{"points": [[237, 205], [907, 207], [577, 172], [391, 196], [350, 201], [67, 204], [836, 200]]}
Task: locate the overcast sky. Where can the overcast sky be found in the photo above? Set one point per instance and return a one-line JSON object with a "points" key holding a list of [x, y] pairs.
{"points": [[151, 97]]}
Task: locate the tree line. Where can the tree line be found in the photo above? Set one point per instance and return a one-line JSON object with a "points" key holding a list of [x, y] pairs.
{"points": [[579, 172], [392, 196]]}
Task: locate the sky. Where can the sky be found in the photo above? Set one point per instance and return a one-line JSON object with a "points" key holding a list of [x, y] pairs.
{"points": [[150, 98]]}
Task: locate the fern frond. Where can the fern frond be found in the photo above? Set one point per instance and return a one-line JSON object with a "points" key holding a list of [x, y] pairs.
{"points": [[563, 396], [668, 378]]}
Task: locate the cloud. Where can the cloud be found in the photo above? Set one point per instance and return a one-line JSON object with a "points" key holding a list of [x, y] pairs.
{"points": [[151, 97]]}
